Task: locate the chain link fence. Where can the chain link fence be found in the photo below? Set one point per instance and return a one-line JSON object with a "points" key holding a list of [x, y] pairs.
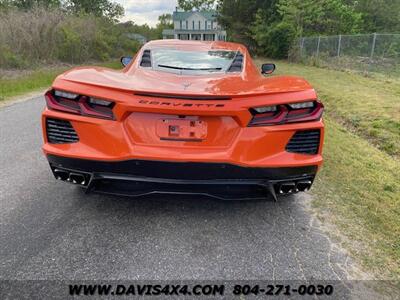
{"points": [[361, 52]]}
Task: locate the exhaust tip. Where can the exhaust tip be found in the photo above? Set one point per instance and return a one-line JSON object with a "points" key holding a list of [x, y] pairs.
{"points": [[77, 178], [61, 174], [286, 188], [303, 185]]}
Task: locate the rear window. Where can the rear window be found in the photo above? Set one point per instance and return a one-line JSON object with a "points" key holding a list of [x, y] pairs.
{"points": [[193, 62]]}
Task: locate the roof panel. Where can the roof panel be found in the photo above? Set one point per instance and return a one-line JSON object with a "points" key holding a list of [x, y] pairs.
{"points": [[183, 15]]}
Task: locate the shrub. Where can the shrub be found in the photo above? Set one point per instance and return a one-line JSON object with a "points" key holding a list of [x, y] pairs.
{"points": [[279, 39], [273, 40], [8, 59], [30, 35], [43, 35]]}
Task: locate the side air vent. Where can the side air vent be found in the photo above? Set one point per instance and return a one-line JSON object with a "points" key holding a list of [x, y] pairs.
{"points": [[306, 142], [60, 132], [237, 63], [146, 59]]}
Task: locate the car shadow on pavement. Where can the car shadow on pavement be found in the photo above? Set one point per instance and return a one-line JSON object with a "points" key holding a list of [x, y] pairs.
{"points": [[160, 203]]}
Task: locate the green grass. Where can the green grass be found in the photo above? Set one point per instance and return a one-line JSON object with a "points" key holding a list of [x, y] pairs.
{"points": [[20, 85], [36, 80], [358, 188]]}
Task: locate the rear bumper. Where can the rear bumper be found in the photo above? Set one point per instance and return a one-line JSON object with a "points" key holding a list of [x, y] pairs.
{"points": [[143, 177], [135, 138]]}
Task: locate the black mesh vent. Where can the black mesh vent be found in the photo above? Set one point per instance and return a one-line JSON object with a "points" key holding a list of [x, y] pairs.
{"points": [[306, 142], [60, 132], [237, 63], [146, 59]]}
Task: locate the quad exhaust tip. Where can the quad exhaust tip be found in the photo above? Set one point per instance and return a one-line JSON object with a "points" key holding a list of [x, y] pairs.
{"points": [[303, 185], [287, 188], [291, 187], [77, 178], [61, 174], [72, 177]]}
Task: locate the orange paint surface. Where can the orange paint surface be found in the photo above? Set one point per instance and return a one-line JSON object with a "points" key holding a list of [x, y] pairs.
{"points": [[224, 136]]}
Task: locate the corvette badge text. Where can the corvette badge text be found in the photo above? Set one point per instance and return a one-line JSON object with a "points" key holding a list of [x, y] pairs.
{"points": [[177, 104]]}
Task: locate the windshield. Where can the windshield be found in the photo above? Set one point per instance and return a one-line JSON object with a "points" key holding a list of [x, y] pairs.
{"points": [[194, 62]]}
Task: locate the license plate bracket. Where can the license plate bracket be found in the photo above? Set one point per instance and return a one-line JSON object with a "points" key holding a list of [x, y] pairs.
{"points": [[182, 129]]}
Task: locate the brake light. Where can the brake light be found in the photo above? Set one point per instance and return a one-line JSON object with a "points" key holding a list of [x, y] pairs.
{"points": [[309, 104], [286, 113], [78, 104], [67, 95]]}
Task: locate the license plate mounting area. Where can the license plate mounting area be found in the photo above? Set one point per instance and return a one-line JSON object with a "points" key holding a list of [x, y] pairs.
{"points": [[190, 129]]}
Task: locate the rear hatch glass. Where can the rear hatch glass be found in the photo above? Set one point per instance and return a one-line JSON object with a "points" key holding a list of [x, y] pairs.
{"points": [[192, 62]]}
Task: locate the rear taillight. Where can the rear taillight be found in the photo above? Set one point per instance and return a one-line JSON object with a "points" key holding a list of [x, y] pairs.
{"points": [[286, 113], [80, 105]]}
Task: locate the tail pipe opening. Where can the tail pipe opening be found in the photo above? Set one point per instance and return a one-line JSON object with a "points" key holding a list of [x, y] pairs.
{"points": [[77, 178], [72, 176], [303, 185], [292, 186], [61, 174], [287, 188]]}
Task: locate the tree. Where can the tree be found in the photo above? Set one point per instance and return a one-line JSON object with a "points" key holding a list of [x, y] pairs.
{"points": [[270, 27], [310, 17], [149, 32], [236, 16], [164, 22], [273, 40], [99, 8], [196, 4], [5, 4], [29, 4], [379, 15]]}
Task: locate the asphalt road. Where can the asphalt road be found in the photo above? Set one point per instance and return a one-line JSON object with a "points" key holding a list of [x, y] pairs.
{"points": [[52, 230]]}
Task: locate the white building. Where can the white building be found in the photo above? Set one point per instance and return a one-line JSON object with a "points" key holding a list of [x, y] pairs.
{"points": [[195, 25]]}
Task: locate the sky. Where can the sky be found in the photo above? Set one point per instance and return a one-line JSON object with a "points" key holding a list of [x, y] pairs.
{"points": [[146, 11]]}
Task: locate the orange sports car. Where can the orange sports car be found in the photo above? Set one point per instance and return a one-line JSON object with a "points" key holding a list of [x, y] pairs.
{"points": [[185, 117]]}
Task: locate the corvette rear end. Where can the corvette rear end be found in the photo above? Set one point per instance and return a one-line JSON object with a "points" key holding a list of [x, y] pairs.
{"points": [[184, 117]]}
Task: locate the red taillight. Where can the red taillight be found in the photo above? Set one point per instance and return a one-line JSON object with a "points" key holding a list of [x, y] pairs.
{"points": [[61, 104], [287, 113], [81, 105]]}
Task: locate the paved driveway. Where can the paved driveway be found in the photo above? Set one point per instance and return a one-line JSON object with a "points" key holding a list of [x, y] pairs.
{"points": [[52, 230]]}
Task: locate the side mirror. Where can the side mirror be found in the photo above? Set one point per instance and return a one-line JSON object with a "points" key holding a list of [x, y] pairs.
{"points": [[268, 68], [125, 60]]}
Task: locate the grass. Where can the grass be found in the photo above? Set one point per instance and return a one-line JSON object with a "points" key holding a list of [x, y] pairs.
{"points": [[378, 66], [38, 79], [358, 188]]}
